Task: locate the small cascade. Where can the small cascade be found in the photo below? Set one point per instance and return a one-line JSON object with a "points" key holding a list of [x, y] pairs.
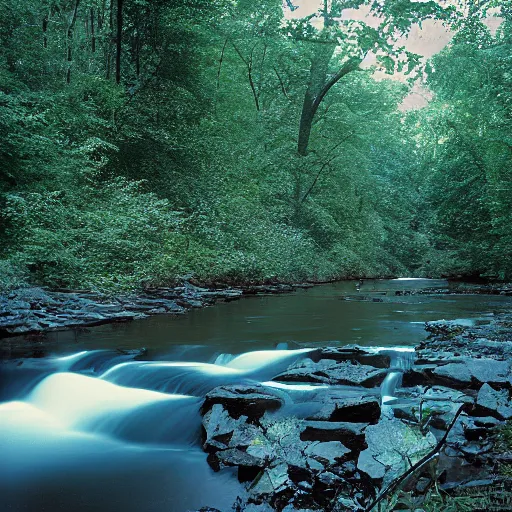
{"points": [[75, 399], [194, 379], [402, 360], [265, 359], [223, 359]]}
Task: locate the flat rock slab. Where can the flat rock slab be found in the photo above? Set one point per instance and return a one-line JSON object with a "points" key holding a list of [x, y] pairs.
{"points": [[493, 402], [461, 373], [472, 373], [330, 451], [242, 400], [350, 434], [353, 354], [329, 371], [392, 447], [353, 409]]}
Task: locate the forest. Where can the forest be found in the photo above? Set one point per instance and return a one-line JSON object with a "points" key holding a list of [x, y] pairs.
{"points": [[144, 141]]}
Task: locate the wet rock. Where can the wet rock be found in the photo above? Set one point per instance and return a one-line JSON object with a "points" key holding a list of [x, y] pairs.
{"points": [[261, 507], [472, 373], [352, 354], [352, 409], [219, 427], [345, 503], [392, 447], [238, 400], [328, 452], [271, 482], [463, 373], [332, 372], [350, 434], [238, 458], [246, 435], [492, 402]]}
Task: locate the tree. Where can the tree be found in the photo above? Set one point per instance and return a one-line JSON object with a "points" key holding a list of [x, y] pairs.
{"points": [[349, 42]]}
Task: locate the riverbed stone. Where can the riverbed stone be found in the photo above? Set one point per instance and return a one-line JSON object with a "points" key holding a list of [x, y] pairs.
{"points": [[239, 399], [352, 353], [219, 427], [350, 434], [238, 458], [332, 372], [472, 373], [353, 409], [494, 402], [392, 447], [329, 452], [461, 373]]}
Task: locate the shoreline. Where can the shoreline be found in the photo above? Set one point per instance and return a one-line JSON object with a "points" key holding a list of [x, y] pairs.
{"points": [[28, 314]]}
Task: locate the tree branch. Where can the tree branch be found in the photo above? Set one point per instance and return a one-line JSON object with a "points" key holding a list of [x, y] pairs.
{"points": [[351, 65], [324, 165], [220, 62], [283, 88], [397, 481]]}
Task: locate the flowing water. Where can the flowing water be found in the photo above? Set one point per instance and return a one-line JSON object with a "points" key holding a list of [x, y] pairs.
{"points": [[88, 428]]}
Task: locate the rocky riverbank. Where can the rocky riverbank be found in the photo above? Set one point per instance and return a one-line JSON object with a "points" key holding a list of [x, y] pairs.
{"points": [[27, 314], [334, 431]]}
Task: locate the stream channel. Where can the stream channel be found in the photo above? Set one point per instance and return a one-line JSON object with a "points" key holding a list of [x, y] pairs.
{"points": [[90, 429]]}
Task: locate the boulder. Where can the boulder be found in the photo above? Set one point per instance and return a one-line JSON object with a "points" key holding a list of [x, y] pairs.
{"points": [[353, 354], [350, 434], [238, 400], [492, 402], [352, 409], [329, 371], [392, 448]]}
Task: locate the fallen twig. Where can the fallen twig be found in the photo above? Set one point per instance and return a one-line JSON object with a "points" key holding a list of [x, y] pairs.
{"points": [[397, 481]]}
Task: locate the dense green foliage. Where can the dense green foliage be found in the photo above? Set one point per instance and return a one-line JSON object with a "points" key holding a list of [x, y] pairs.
{"points": [[147, 140], [465, 148]]}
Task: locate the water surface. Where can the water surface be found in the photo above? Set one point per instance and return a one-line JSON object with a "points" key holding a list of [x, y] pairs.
{"points": [[89, 429]]}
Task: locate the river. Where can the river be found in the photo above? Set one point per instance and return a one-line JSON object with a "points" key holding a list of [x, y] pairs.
{"points": [[88, 428]]}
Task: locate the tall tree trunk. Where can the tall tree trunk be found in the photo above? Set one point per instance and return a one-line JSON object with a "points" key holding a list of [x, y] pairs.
{"points": [[110, 38], [119, 39], [45, 29], [93, 36], [319, 85], [71, 27], [317, 79]]}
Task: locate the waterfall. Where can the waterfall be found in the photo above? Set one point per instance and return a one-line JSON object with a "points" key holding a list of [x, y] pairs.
{"points": [[402, 359]]}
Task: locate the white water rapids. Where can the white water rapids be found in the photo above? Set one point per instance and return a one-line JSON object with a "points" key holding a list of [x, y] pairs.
{"points": [[97, 431]]}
